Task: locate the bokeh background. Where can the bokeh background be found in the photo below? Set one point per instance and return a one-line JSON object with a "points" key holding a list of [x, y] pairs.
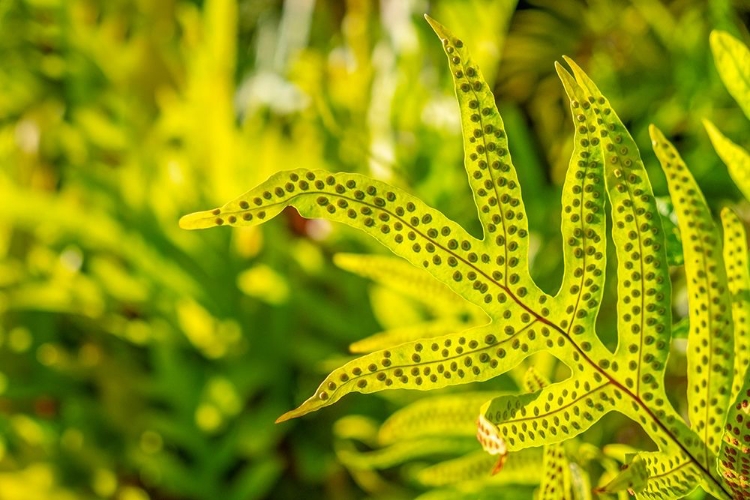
{"points": [[139, 361]]}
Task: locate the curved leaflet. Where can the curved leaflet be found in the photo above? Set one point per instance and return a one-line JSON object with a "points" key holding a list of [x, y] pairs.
{"points": [[493, 273]]}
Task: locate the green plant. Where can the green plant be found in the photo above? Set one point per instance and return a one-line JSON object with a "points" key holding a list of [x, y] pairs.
{"points": [[433, 440], [731, 57], [493, 273]]}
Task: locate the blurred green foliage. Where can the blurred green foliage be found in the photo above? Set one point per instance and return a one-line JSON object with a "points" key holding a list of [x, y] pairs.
{"points": [[139, 361]]}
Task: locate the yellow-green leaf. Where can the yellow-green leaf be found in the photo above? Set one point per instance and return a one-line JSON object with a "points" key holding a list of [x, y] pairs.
{"points": [[734, 456], [732, 59], [493, 274], [710, 341], [396, 336], [734, 157], [738, 276], [519, 468], [472, 355], [452, 414], [402, 277]]}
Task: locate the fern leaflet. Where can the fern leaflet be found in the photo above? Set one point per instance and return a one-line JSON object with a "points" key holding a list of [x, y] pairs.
{"points": [[493, 273]]}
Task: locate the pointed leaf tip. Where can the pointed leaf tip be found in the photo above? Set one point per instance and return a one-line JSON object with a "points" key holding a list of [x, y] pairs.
{"points": [[440, 30], [655, 134], [199, 220], [310, 405], [714, 36], [565, 77], [573, 66], [560, 68], [286, 416]]}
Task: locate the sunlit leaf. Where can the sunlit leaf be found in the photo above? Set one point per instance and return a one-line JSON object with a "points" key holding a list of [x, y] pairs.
{"points": [[453, 414], [733, 62], [710, 342], [493, 273], [734, 157], [738, 276]]}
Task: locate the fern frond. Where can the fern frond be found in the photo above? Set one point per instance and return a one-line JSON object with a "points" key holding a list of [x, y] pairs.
{"points": [[473, 355], [556, 480], [453, 414], [492, 176], [656, 475], [554, 414], [732, 59], [710, 341], [735, 157], [583, 221], [402, 452], [669, 476], [734, 455], [493, 274], [396, 336], [519, 468], [402, 277], [738, 276]]}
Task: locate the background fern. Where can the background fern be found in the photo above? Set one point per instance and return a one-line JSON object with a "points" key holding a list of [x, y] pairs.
{"points": [[142, 361]]}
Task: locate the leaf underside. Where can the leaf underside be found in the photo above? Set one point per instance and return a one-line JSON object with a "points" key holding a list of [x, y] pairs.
{"points": [[734, 453], [734, 456], [493, 274], [710, 341]]}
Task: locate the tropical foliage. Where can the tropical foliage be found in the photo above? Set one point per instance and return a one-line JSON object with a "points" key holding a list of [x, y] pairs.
{"points": [[493, 273], [140, 361]]}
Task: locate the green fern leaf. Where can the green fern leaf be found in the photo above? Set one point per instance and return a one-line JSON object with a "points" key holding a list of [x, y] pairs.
{"points": [[453, 314], [421, 365], [493, 273], [534, 381], [710, 341], [733, 62], [404, 278], [453, 414], [656, 475], [734, 456], [362, 429], [490, 493], [402, 452], [735, 257], [734, 157], [580, 483], [557, 481], [556, 413], [520, 468], [604, 150], [396, 336]]}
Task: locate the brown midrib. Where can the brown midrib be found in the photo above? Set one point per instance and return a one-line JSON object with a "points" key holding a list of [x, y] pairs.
{"points": [[538, 317]]}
